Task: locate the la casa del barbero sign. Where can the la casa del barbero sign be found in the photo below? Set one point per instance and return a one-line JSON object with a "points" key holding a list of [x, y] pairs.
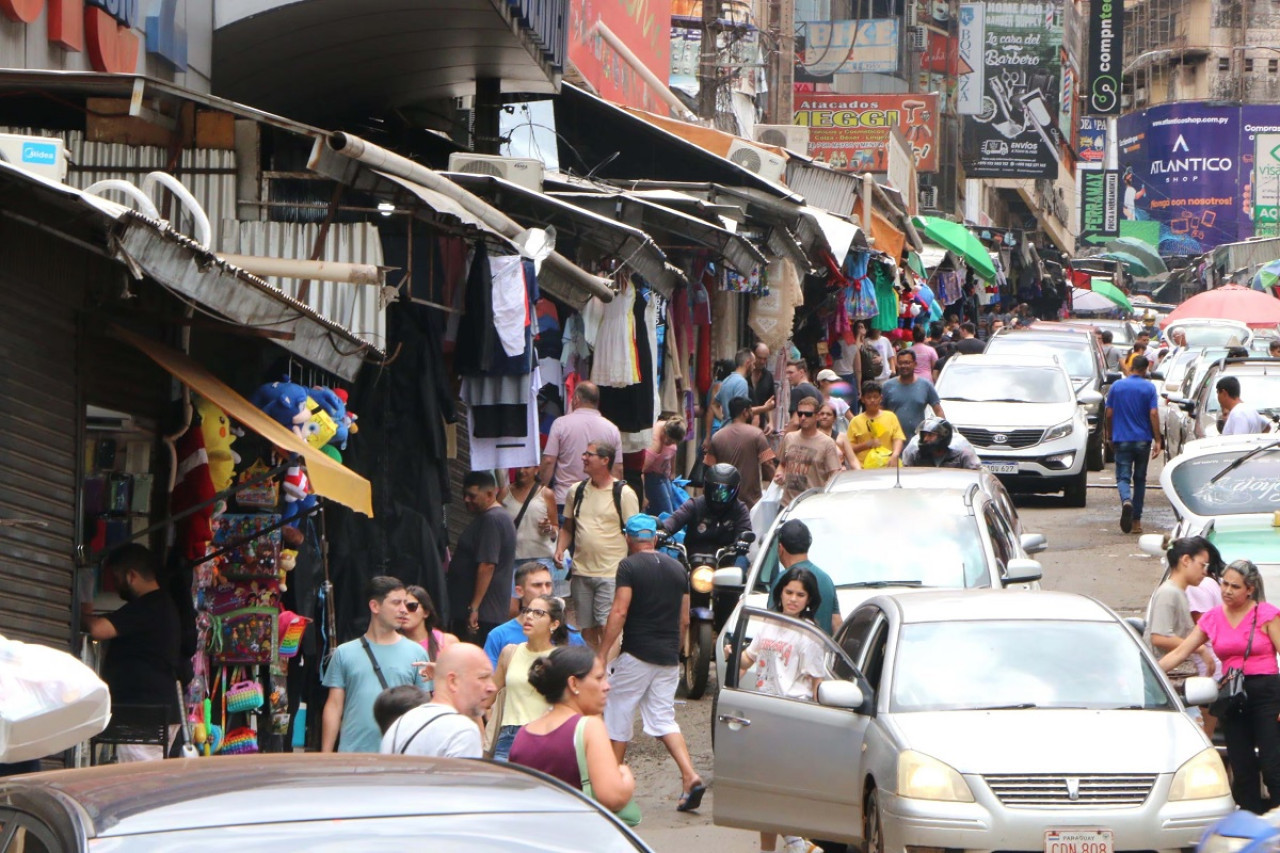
{"points": [[111, 32]]}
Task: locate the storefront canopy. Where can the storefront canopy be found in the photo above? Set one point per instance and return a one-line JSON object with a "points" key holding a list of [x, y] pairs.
{"points": [[329, 479]]}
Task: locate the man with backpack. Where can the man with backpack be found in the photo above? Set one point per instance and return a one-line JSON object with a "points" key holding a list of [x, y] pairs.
{"points": [[595, 511]]}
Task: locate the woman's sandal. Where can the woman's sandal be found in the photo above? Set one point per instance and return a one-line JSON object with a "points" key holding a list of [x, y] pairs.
{"points": [[691, 799]]}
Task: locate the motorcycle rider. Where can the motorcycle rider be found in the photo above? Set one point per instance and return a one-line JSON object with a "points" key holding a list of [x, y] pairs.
{"points": [[717, 518], [935, 446]]}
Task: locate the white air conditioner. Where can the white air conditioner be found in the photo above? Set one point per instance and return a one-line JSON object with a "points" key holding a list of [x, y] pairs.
{"points": [[1140, 95], [913, 14], [40, 155], [525, 171], [762, 161], [917, 39], [928, 198], [791, 136], [1126, 101]]}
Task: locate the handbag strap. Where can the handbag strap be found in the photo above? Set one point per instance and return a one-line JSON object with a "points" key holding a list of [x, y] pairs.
{"points": [[402, 750], [580, 747], [377, 670], [1252, 629]]}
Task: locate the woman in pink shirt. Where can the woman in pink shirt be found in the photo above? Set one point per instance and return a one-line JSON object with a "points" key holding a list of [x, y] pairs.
{"points": [[1244, 634]]}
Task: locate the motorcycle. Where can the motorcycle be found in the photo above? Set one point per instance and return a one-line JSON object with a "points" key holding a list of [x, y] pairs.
{"points": [[705, 618]]}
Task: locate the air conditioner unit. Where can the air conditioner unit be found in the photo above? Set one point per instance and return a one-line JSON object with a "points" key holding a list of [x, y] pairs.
{"points": [[762, 161], [791, 136], [918, 39], [526, 172], [928, 198], [40, 155], [1140, 95], [913, 14], [1126, 101]]}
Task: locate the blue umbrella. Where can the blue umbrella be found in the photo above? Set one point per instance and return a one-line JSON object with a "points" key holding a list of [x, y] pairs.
{"points": [[1268, 276]]}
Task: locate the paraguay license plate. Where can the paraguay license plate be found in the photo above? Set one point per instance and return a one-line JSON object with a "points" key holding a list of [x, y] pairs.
{"points": [[1079, 841], [1001, 467]]}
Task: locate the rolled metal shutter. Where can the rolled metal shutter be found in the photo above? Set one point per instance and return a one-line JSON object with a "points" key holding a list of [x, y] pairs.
{"points": [[41, 280]]}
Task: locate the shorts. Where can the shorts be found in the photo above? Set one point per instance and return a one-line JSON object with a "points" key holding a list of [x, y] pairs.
{"points": [[633, 682], [592, 599]]}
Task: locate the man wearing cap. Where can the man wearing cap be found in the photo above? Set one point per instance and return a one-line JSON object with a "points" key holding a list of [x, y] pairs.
{"points": [[651, 613], [827, 380]]}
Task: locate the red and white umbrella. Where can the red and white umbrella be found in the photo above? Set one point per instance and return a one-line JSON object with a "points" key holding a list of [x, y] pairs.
{"points": [[1229, 302]]}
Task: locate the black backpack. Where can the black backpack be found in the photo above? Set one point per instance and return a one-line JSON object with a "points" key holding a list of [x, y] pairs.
{"points": [[872, 361], [581, 491]]}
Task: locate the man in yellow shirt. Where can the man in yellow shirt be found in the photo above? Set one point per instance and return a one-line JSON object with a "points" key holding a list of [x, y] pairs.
{"points": [[875, 429]]}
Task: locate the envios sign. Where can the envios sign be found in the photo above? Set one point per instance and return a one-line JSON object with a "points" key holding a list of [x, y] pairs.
{"points": [[111, 31]]}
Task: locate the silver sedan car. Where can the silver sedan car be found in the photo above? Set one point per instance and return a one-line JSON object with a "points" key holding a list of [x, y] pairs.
{"points": [[966, 720]]}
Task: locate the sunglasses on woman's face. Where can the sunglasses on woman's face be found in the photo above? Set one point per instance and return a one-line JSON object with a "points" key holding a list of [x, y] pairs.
{"points": [[413, 606]]}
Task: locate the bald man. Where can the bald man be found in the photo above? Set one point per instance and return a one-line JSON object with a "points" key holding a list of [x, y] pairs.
{"points": [[449, 725]]}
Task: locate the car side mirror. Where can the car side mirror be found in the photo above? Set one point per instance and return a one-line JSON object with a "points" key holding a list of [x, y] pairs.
{"points": [[840, 694], [1089, 397], [1022, 571], [1034, 543], [1136, 625], [1113, 376], [1157, 375], [1152, 544], [1199, 690], [1188, 406], [731, 577]]}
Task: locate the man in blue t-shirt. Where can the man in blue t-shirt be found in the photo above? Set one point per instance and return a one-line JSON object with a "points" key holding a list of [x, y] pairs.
{"points": [[1133, 430], [735, 384], [532, 581], [908, 395]]}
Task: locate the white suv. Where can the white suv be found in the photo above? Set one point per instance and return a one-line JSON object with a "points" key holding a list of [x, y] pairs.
{"points": [[1022, 418]]}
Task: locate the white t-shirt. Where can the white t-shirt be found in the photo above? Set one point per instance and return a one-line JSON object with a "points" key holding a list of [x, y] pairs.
{"points": [[1244, 420], [887, 353], [787, 662], [434, 731]]}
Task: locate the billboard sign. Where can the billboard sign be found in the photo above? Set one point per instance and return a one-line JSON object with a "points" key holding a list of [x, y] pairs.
{"points": [[1016, 134], [645, 28], [970, 74], [851, 132], [827, 48], [1106, 53], [1092, 147], [1264, 189], [1099, 206]]}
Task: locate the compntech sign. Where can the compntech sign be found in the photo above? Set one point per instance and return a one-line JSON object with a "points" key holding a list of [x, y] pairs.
{"points": [[108, 30]]}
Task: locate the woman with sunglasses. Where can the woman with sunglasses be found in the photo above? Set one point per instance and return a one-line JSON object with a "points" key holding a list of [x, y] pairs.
{"points": [[544, 628], [422, 625], [1244, 634]]}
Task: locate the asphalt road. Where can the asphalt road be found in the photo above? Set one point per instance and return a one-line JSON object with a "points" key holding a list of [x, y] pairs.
{"points": [[1087, 554]]}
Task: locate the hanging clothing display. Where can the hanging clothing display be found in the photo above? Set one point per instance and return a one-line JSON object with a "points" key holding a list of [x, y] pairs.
{"points": [[498, 404], [614, 357], [772, 316], [519, 450], [631, 408], [480, 349], [886, 318], [511, 313], [861, 302]]}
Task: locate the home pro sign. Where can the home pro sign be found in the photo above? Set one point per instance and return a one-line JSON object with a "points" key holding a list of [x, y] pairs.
{"points": [[111, 31]]}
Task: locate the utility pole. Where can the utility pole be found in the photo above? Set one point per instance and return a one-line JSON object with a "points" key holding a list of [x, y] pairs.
{"points": [[782, 61], [709, 61]]}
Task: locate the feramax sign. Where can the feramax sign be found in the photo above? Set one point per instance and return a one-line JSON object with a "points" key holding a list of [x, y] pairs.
{"points": [[108, 30]]}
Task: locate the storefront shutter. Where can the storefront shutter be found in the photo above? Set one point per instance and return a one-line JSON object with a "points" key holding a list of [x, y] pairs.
{"points": [[40, 282]]}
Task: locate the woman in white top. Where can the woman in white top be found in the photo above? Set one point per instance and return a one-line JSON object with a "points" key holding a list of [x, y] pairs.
{"points": [[536, 533], [545, 628]]}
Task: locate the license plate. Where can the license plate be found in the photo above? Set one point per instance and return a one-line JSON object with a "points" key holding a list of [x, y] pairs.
{"points": [[1079, 841], [1001, 467]]}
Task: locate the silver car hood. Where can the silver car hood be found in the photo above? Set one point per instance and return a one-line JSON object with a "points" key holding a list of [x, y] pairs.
{"points": [[1066, 741]]}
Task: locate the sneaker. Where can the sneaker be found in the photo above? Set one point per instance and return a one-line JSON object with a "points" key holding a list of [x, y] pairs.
{"points": [[1137, 527], [1126, 517]]}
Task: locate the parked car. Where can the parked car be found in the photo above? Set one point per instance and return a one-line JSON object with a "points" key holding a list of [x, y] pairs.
{"points": [[1204, 332], [1227, 489], [1021, 415], [1123, 332], [1169, 378], [1181, 426], [907, 527], [972, 721], [1259, 388], [1081, 353], [269, 803]]}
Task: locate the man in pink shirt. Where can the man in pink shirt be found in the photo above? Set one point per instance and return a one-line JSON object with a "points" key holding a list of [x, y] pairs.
{"points": [[568, 440]]}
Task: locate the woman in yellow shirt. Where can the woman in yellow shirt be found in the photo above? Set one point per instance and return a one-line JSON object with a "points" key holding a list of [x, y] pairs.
{"points": [[875, 429]]}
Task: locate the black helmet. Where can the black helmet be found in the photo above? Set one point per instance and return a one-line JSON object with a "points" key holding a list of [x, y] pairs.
{"points": [[720, 484], [942, 431]]}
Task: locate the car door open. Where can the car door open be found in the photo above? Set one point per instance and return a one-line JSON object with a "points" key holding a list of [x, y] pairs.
{"points": [[788, 742]]}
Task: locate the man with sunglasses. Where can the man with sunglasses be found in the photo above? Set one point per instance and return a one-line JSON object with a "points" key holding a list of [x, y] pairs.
{"points": [[807, 457], [532, 581]]}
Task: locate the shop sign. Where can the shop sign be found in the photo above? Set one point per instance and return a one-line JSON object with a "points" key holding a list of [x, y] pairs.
{"points": [[969, 75], [1266, 184], [851, 132], [1099, 206], [1106, 53], [827, 48], [642, 25], [107, 30], [1015, 133], [941, 54], [1092, 145]]}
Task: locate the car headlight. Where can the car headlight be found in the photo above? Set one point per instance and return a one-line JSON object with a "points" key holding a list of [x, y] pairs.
{"points": [[1062, 430], [703, 579], [922, 777], [1201, 778]]}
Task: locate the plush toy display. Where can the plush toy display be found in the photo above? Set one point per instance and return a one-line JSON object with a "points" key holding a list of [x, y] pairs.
{"points": [[215, 426], [298, 498], [334, 403], [286, 403]]}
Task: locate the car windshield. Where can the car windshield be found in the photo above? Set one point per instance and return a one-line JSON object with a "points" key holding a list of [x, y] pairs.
{"points": [[1253, 487], [1212, 336], [1076, 356], [983, 383], [894, 536], [1176, 369], [956, 666], [1257, 391]]}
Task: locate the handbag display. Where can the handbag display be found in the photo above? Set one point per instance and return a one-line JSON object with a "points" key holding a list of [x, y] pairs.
{"points": [[1232, 697], [628, 814]]}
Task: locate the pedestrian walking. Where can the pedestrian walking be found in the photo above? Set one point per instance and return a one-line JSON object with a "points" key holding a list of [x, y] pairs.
{"points": [[422, 625], [801, 388], [875, 436], [808, 458], [568, 439], [362, 668], [533, 581], [651, 614], [593, 526], [1244, 634], [482, 570], [536, 533], [544, 628], [449, 725], [743, 445], [1132, 428], [659, 463], [794, 541], [1169, 619], [763, 389], [908, 394]]}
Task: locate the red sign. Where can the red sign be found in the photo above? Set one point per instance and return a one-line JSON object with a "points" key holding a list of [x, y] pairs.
{"points": [[643, 26], [851, 132], [106, 29], [941, 54]]}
